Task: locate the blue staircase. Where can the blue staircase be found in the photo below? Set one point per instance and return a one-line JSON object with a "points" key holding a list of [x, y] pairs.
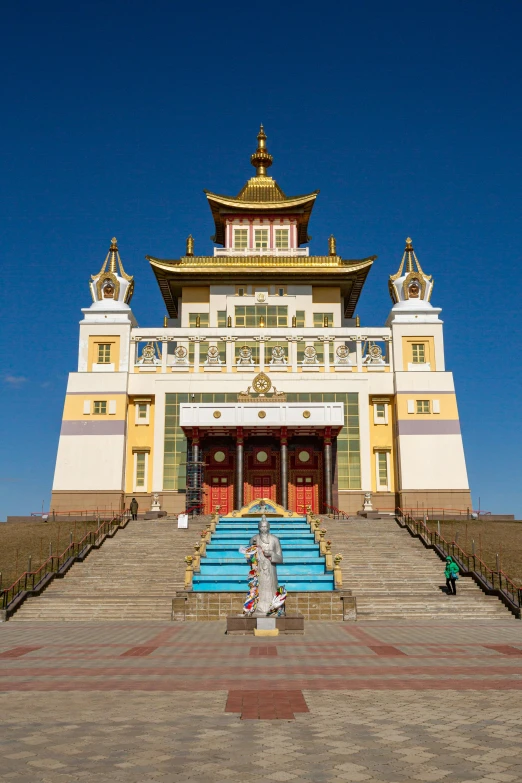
{"points": [[225, 570]]}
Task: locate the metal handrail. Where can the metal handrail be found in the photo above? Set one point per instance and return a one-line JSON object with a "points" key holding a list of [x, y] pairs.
{"points": [[32, 580], [336, 512], [445, 513], [494, 581]]}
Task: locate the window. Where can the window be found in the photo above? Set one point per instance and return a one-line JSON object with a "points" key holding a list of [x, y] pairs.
{"points": [[260, 238], [104, 353], [100, 407], [300, 318], [380, 412], [241, 238], [221, 318], [142, 410], [423, 406], [198, 319], [141, 469], [280, 291], [382, 470], [323, 319], [241, 292], [281, 238], [418, 353], [255, 315]]}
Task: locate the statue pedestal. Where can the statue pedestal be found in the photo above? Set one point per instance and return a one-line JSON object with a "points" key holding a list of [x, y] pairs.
{"points": [[240, 625]]}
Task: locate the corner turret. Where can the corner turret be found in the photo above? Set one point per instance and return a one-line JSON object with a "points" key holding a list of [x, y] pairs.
{"points": [[410, 289]]}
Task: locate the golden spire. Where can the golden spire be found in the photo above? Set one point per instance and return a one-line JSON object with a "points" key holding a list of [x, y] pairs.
{"points": [[261, 159], [113, 257], [409, 255], [332, 246], [190, 245]]}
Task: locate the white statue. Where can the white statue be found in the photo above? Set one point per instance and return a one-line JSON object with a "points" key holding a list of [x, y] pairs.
{"points": [[269, 554]]}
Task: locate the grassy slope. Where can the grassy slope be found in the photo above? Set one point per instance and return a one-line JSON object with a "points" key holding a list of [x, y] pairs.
{"points": [[504, 538], [18, 540]]}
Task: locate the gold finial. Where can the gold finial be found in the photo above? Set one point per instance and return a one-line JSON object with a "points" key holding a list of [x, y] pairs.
{"points": [[357, 320], [409, 258], [113, 257], [332, 246], [165, 324], [190, 245], [261, 159]]}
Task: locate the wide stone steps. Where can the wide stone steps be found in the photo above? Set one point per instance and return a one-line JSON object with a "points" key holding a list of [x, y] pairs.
{"points": [[393, 576], [132, 577]]}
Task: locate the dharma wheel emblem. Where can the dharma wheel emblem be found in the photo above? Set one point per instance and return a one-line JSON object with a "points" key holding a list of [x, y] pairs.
{"points": [[181, 352], [342, 352], [375, 352], [262, 383]]}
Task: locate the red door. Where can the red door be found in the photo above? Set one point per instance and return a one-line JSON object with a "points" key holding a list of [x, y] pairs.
{"points": [[219, 494], [263, 487], [305, 494]]}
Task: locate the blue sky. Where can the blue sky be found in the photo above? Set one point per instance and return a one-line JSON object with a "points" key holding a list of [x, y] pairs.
{"points": [[116, 115]]}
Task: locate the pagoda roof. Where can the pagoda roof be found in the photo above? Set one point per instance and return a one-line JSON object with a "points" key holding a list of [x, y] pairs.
{"points": [[173, 274], [261, 195]]}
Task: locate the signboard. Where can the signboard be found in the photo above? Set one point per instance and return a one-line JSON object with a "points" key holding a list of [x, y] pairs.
{"points": [[183, 520]]}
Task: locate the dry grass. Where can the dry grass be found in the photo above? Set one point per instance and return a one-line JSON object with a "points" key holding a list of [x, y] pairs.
{"points": [[491, 538], [19, 540]]}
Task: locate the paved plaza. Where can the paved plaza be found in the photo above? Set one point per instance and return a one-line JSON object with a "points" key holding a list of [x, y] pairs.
{"points": [[171, 702]]}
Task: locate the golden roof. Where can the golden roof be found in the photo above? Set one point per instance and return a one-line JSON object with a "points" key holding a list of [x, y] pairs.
{"points": [[261, 194], [173, 274]]}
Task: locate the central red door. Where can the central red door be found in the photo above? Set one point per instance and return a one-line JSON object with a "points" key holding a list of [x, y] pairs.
{"points": [[263, 487], [305, 494], [219, 493]]}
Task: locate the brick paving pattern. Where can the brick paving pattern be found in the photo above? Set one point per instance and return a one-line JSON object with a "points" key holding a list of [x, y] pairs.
{"points": [[381, 701]]}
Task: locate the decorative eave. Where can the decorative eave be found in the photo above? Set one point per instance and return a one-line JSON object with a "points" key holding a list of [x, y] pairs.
{"points": [[262, 199], [173, 274]]}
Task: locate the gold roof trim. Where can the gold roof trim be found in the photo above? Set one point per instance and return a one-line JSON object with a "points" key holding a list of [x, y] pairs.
{"points": [[216, 263]]}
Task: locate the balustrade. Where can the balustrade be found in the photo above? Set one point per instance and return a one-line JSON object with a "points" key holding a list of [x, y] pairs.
{"points": [[239, 350]]}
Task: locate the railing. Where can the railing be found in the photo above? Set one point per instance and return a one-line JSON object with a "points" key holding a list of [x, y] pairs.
{"points": [[434, 512], [195, 510], [34, 581], [95, 512], [494, 582], [335, 512], [261, 251]]}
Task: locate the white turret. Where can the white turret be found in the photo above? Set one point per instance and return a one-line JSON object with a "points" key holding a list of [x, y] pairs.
{"points": [[111, 290], [410, 289]]}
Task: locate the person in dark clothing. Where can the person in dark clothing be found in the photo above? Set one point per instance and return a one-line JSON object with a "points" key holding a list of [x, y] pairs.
{"points": [[451, 573], [134, 508]]}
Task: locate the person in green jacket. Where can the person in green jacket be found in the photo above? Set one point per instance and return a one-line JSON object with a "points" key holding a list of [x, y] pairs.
{"points": [[452, 574]]}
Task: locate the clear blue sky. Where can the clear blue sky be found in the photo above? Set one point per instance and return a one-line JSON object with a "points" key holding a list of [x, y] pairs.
{"points": [[116, 115]]}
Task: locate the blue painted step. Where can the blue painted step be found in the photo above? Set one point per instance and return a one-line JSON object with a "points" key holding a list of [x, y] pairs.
{"points": [[224, 569]]}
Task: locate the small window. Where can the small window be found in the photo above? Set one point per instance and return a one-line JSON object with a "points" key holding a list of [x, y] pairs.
{"points": [[100, 407], [141, 464], [241, 292], [104, 353], [323, 319], [300, 318], [142, 410], [281, 238], [382, 469], [198, 319], [241, 238], [423, 406], [418, 353], [221, 318], [280, 291], [380, 410], [261, 238]]}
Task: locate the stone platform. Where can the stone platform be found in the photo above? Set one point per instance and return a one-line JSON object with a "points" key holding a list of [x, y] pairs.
{"points": [[338, 605], [240, 625]]}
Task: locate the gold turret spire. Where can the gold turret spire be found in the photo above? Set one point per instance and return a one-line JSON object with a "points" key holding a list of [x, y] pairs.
{"points": [[113, 257], [416, 284], [261, 159]]}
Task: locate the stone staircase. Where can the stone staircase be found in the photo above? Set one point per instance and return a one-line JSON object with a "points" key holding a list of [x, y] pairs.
{"points": [[393, 576], [133, 576]]}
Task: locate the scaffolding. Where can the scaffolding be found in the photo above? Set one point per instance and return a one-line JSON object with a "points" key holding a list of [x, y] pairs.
{"points": [[195, 492]]}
